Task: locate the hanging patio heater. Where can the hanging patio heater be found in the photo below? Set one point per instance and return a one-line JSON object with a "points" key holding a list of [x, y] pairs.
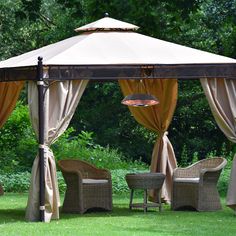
{"points": [[140, 98]]}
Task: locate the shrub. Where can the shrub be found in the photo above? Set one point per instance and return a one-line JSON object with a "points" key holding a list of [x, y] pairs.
{"points": [[119, 184], [184, 157], [18, 182], [17, 142], [224, 181], [19, 150], [225, 174], [82, 147]]}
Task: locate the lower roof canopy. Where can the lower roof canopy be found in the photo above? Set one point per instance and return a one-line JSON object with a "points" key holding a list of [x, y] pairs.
{"points": [[115, 72]]}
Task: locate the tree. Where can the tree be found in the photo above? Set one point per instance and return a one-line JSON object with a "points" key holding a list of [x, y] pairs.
{"points": [[208, 25]]}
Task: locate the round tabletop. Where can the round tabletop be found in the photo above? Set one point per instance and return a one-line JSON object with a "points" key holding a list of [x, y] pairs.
{"points": [[145, 180]]}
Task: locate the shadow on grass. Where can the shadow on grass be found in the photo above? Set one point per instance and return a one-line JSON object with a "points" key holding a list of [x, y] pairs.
{"points": [[116, 212], [11, 215], [18, 214]]}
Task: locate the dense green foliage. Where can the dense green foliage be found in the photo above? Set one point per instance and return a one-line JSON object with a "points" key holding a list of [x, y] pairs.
{"points": [[208, 25], [20, 182], [17, 143], [79, 147], [84, 148], [121, 221], [101, 112]]}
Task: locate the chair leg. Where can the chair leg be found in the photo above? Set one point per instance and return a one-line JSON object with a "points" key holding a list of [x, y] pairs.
{"points": [[145, 201], [131, 199], [159, 200]]}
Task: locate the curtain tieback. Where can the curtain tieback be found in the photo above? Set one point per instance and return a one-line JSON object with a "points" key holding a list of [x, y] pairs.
{"points": [[43, 146], [46, 148], [162, 134]]}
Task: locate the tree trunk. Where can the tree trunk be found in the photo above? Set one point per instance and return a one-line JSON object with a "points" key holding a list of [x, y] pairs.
{"points": [[1, 190]]}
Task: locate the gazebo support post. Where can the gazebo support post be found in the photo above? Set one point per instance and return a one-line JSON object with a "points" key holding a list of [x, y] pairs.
{"points": [[40, 84]]}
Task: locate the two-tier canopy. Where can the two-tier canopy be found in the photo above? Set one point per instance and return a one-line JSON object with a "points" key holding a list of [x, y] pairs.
{"points": [[108, 49]]}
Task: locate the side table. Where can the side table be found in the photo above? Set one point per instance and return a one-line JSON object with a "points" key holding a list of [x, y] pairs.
{"points": [[145, 181]]}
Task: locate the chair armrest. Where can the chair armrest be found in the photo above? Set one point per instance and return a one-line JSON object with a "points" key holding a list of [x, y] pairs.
{"points": [[66, 170], [219, 167], [210, 175], [100, 174], [212, 170], [187, 172], [72, 178]]}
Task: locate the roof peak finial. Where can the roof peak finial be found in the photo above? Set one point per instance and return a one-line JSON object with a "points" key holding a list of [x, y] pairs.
{"points": [[108, 24], [106, 14]]}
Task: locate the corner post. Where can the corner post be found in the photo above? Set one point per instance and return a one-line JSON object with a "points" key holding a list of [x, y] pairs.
{"points": [[40, 84]]}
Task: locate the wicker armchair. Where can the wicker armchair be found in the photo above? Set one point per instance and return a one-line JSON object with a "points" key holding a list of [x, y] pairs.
{"points": [[87, 186], [196, 185]]}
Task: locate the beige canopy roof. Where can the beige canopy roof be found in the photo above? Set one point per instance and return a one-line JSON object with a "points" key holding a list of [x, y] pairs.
{"points": [[107, 23], [109, 48]]}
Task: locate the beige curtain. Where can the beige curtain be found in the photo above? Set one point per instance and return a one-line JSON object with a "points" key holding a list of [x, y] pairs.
{"points": [[9, 93], [157, 118], [221, 95], [61, 100]]}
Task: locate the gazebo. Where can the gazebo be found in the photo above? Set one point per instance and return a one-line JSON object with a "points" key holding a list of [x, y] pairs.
{"points": [[107, 50]]}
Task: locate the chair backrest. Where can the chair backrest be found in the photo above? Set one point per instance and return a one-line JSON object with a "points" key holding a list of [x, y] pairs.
{"points": [[75, 165], [213, 163]]}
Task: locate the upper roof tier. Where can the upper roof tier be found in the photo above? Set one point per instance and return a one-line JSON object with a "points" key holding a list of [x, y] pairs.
{"points": [[114, 47], [107, 23]]}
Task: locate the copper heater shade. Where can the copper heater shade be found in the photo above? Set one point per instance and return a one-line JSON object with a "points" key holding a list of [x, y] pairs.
{"points": [[140, 100]]}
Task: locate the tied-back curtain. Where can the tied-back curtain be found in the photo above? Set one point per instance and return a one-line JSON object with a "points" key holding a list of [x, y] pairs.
{"points": [[221, 96], [61, 100], [157, 118], [9, 93]]}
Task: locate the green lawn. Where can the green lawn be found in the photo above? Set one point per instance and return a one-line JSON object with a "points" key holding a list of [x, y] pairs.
{"points": [[120, 221]]}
